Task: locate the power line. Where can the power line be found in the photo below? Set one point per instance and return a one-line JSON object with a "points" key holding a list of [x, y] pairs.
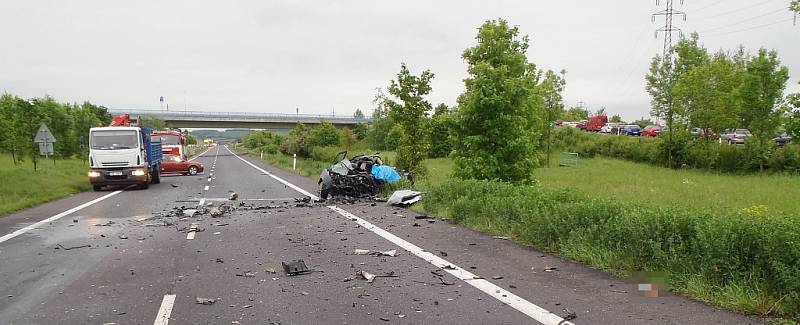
{"points": [[751, 28], [745, 20], [708, 6], [735, 10]]}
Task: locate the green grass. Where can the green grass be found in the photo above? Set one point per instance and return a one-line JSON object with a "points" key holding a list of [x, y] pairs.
{"points": [[23, 188], [637, 182], [629, 181]]}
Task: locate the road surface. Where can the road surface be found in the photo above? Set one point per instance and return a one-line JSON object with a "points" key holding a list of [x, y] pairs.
{"points": [[144, 266]]}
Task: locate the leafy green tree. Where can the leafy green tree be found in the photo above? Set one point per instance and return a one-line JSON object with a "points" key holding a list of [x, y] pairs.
{"points": [[762, 93], [575, 114], [28, 119], [600, 111], [295, 142], [410, 111], [550, 90], [11, 136], [323, 135], [358, 114], [500, 110], [662, 77], [616, 119], [441, 126], [347, 138], [360, 130], [795, 6], [643, 122], [392, 141], [709, 93], [378, 134], [191, 139]]}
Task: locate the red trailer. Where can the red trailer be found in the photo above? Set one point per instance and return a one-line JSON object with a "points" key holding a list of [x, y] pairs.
{"points": [[172, 142]]}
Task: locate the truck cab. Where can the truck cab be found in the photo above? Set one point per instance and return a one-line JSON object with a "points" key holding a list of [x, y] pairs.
{"points": [[123, 155]]}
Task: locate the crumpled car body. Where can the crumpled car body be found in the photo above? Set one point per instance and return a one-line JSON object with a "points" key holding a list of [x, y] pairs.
{"points": [[351, 177]]}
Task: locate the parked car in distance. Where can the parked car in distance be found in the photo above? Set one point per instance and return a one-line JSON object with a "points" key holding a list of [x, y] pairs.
{"points": [[651, 131], [738, 136], [632, 130], [610, 128], [701, 133], [596, 123], [176, 165], [782, 139]]}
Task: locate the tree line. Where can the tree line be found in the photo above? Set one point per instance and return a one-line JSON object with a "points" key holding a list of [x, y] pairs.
{"points": [[693, 88], [69, 122]]}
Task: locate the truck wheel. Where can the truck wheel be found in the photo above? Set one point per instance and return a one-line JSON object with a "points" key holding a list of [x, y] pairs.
{"points": [[192, 170], [97, 188]]}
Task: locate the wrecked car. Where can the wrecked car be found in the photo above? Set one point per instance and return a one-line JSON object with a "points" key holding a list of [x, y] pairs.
{"points": [[359, 177]]}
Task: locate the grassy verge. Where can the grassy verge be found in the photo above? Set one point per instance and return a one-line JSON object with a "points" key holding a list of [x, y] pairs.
{"points": [[23, 188], [746, 261]]}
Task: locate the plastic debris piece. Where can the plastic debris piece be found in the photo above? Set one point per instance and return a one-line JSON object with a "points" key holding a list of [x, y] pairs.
{"points": [[204, 301], [404, 197], [500, 237], [233, 196]]}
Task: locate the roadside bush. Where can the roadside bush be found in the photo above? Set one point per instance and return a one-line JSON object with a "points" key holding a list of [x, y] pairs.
{"points": [[786, 159], [724, 250]]}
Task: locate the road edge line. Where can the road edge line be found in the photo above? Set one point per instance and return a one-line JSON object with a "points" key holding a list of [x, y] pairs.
{"points": [[294, 187], [528, 308], [56, 217], [164, 312]]}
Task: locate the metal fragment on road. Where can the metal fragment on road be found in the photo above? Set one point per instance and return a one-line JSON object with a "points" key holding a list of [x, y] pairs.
{"points": [[189, 212], [500, 237], [73, 247], [295, 267], [233, 196]]}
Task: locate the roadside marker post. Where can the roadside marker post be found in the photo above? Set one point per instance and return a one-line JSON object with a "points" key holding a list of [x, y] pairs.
{"points": [[294, 162]]}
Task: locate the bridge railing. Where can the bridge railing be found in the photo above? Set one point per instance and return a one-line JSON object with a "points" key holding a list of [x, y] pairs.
{"points": [[239, 115]]}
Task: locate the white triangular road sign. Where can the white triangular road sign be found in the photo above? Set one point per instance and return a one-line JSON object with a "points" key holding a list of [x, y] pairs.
{"points": [[44, 135]]}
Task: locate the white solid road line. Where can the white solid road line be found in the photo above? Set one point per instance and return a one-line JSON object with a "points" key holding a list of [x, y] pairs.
{"points": [[533, 311], [56, 217], [539, 314], [294, 187], [198, 156], [164, 312]]}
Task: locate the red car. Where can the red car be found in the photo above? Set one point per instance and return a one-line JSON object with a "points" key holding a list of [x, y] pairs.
{"points": [[176, 165], [651, 131]]}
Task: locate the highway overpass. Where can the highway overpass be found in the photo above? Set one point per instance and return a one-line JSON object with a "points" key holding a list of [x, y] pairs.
{"points": [[276, 122]]}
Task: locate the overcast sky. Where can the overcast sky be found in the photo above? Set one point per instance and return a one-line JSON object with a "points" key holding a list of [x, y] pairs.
{"points": [[321, 56]]}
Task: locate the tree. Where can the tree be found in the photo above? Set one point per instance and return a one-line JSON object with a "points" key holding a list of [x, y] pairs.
{"points": [[359, 115], [191, 139], [792, 108], [795, 6], [347, 138], [361, 130], [410, 111], [295, 142], [762, 93], [663, 75], [575, 114], [643, 122], [498, 113], [553, 103], [616, 119], [441, 124], [11, 136], [323, 135]]}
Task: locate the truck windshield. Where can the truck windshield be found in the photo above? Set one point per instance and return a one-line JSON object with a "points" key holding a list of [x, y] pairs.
{"points": [[167, 140], [111, 139]]}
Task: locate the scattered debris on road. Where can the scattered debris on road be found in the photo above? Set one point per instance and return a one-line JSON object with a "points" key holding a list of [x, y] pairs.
{"points": [[123, 237], [371, 277], [233, 196], [297, 267], [73, 247], [204, 301], [390, 253], [404, 198], [550, 269], [106, 224], [173, 185], [500, 237]]}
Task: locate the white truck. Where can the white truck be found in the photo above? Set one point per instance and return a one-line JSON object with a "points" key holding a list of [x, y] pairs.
{"points": [[121, 154]]}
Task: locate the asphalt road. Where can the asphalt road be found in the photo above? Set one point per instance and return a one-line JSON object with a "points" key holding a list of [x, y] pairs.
{"points": [[146, 265]]}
